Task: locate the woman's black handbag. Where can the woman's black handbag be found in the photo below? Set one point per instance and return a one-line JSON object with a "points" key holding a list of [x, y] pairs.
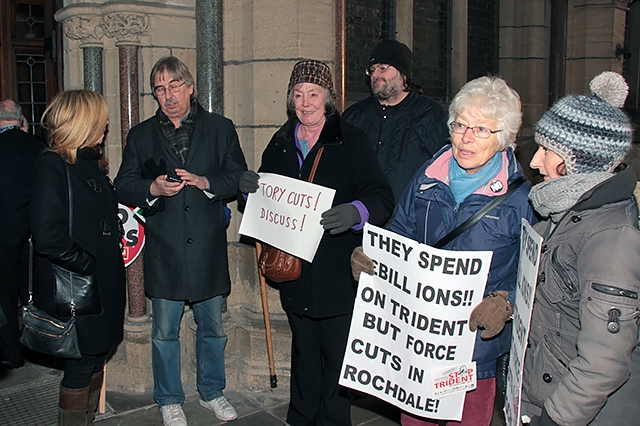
{"points": [[49, 335], [44, 333], [75, 294]]}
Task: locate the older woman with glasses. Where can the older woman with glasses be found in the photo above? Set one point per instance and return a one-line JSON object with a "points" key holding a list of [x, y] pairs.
{"points": [[459, 180]]}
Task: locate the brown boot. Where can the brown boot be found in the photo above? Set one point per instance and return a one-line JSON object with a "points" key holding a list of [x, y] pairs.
{"points": [[94, 395], [72, 407]]}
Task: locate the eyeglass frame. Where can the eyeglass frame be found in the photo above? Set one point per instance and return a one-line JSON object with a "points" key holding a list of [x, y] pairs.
{"points": [[473, 130], [383, 68], [169, 88]]}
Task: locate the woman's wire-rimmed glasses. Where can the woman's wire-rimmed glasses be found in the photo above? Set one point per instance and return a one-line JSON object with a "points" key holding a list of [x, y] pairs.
{"points": [[481, 132]]}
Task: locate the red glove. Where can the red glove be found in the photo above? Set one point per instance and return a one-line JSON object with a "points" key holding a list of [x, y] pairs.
{"points": [[491, 314]]}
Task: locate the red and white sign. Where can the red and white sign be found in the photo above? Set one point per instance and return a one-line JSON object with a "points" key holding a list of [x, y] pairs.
{"points": [[133, 239]]}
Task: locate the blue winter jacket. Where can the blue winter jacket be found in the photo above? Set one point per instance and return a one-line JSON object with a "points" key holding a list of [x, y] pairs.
{"points": [[427, 212]]}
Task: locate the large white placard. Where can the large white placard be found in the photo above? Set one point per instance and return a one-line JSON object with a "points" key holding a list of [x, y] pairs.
{"points": [[530, 246], [410, 320], [285, 213]]}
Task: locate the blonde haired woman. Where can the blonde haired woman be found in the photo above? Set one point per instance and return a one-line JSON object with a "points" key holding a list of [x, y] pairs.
{"points": [[76, 121]]}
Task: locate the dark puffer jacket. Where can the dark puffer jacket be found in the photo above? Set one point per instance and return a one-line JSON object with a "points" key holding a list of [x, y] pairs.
{"points": [[403, 136], [427, 212], [325, 287]]}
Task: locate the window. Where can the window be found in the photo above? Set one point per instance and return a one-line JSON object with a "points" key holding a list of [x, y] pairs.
{"points": [[432, 47], [482, 52], [368, 23]]}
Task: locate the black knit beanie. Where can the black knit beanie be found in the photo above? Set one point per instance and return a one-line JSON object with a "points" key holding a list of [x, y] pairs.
{"points": [[394, 53]]}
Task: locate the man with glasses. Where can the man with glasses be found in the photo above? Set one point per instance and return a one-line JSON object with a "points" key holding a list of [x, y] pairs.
{"points": [[405, 127], [180, 166]]}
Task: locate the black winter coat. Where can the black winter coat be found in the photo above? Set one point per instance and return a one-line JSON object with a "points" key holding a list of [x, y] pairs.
{"points": [[403, 136], [185, 255], [96, 231], [326, 287]]}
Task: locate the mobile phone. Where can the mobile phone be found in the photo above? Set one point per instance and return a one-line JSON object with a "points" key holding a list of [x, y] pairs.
{"points": [[173, 179]]}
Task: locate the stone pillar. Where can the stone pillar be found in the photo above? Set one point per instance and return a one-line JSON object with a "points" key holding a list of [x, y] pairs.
{"points": [[126, 28], [594, 28], [524, 57], [459, 42], [92, 63], [210, 67], [129, 117]]}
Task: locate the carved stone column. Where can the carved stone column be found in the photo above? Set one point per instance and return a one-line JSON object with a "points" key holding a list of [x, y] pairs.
{"points": [[127, 28], [92, 61], [89, 32]]}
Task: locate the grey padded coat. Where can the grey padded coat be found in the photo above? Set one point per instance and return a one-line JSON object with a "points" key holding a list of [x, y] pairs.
{"points": [[578, 367]]}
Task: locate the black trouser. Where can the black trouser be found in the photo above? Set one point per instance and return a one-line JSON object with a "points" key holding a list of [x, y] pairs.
{"points": [[14, 232], [317, 349], [78, 372]]}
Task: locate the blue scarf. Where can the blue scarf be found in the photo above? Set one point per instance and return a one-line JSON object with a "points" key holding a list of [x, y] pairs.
{"points": [[462, 184]]}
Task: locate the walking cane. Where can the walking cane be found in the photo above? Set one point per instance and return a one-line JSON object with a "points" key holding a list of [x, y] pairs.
{"points": [[267, 321]]}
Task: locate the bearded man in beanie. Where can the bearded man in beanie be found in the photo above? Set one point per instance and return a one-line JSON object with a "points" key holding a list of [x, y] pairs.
{"points": [[181, 166], [404, 127], [319, 304]]}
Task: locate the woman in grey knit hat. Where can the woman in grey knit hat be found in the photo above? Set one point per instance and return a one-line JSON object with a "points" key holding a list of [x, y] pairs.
{"points": [[582, 365]]}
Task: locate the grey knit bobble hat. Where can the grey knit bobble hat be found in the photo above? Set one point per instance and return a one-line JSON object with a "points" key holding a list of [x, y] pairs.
{"points": [[590, 133]]}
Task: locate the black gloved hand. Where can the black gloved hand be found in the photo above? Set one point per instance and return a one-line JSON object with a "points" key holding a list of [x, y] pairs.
{"points": [[77, 260], [249, 182], [340, 218]]}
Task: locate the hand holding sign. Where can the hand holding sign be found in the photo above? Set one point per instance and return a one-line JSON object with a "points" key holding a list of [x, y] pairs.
{"points": [[360, 262], [249, 182], [491, 314]]}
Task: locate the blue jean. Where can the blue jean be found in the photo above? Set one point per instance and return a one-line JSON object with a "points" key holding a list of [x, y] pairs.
{"points": [[165, 355]]}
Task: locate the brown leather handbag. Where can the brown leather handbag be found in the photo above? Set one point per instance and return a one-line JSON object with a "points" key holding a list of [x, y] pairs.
{"points": [[277, 265]]}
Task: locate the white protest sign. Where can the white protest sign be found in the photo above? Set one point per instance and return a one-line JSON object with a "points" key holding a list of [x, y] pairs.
{"points": [[285, 213], [411, 319], [530, 246]]}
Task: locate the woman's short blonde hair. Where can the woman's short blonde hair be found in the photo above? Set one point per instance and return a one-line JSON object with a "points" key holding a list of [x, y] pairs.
{"points": [[494, 99], [75, 119]]}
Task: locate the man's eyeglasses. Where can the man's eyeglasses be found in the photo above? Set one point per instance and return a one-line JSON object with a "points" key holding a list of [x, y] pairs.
{"points": [[382, 68], [478, 131], [173, 88]]}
